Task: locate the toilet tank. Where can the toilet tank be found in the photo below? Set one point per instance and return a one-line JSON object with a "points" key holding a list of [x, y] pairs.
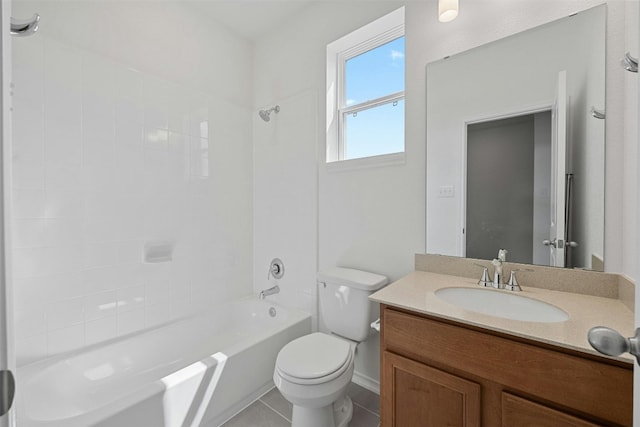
{"points": [[344, 300]]}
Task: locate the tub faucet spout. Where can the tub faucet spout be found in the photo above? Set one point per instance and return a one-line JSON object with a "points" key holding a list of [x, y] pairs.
{"points": [[270, 291]]}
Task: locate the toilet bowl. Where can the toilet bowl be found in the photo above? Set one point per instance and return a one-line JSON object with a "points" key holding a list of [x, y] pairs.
{"points": [[313, 373]]}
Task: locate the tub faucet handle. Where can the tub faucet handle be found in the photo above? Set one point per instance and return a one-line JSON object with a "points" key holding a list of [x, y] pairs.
{"points": [[276, 269]]}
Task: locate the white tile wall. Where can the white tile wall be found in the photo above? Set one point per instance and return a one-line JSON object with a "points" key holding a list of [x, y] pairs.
{"points": [[101, 330], [107, 158]]}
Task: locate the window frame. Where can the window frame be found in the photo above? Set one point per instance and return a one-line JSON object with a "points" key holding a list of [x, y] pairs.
{"points": [[371, 36]]}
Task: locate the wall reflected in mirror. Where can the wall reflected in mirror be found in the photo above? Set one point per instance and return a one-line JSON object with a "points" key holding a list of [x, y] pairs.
{"points": [[515, 157]]}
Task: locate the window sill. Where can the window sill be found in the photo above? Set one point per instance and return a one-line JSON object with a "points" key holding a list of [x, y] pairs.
{"points": [[366, 162]]}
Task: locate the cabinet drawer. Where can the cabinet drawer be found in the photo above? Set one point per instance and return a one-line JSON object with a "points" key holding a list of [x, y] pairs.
{"points": [[519, 412], [598, 389]]}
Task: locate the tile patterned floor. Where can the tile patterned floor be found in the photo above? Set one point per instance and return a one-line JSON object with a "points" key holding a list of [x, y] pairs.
{"points": [[273, 410]]}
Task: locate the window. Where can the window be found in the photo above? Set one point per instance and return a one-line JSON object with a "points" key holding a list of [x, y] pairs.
{"points": [[365, 91]]}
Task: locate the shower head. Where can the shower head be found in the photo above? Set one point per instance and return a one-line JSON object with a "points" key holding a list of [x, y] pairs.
{"points": [[265, 114]]}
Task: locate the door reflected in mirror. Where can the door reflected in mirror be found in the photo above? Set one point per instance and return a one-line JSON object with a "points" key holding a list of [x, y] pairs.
{"points": [[524, 181], [515, 157]]}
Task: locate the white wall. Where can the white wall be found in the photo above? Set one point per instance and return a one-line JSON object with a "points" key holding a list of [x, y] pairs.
{"points": [[131, 125], [374, 219]]}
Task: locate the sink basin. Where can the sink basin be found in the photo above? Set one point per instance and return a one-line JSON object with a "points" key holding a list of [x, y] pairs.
{"points": [[502, 304]]}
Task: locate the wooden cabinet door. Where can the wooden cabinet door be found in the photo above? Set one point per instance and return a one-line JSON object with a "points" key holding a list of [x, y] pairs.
{"points": [[417, 395], [519, 412]]}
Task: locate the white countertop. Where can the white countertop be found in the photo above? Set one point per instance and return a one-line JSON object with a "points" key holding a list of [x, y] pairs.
{"points": [[416, 292]]}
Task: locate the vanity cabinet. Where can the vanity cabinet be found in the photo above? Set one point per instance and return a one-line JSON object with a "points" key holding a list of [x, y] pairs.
{"points": [[517, 411], [425, 396], [444, 373]]}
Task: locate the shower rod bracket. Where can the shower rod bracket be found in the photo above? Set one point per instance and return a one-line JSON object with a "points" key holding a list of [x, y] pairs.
{"points": [[25, 27], [630, 63], [598, 114]]}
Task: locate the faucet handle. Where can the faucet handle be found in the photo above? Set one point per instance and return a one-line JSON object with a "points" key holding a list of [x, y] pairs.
{"points": [[276, 269], [484, 280], [513, 285]]}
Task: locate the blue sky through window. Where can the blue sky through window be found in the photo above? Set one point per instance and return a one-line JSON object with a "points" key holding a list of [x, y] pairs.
{"points": [[375, 131], [374, 74]]}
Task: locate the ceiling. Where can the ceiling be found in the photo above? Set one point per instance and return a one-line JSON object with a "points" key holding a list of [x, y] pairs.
{"points": [[250, 19]]}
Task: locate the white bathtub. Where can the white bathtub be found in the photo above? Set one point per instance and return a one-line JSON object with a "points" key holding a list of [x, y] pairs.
{"points": [[196, 371]]}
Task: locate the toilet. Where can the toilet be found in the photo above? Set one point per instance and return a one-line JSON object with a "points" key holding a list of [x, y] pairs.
{"points": [[313, 372]]}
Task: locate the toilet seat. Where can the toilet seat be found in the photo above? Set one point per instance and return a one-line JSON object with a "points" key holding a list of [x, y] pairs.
{"points": [[314, 359]]}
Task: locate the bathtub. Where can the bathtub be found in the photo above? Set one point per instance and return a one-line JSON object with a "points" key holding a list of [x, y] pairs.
{"points": [[195, 371]]}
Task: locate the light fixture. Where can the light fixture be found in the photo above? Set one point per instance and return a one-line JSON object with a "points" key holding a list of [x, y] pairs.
{"points": [[447, 10]]}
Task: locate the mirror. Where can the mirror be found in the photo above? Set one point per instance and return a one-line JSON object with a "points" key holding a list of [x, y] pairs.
{"points": [[515, 146]]}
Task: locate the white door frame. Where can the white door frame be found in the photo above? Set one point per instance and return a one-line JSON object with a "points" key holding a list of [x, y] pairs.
{"points": [[7, 355], [636, 367]]}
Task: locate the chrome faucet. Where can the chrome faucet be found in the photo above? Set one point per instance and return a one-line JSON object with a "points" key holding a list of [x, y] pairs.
{"points": [[497, 274], [270, 291], [497, 269]]}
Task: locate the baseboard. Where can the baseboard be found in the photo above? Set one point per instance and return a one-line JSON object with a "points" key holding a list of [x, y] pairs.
{"points": [[366, 382]]}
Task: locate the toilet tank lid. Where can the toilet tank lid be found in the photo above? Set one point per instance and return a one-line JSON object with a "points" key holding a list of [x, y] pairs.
{"points": [[353, 278]]}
